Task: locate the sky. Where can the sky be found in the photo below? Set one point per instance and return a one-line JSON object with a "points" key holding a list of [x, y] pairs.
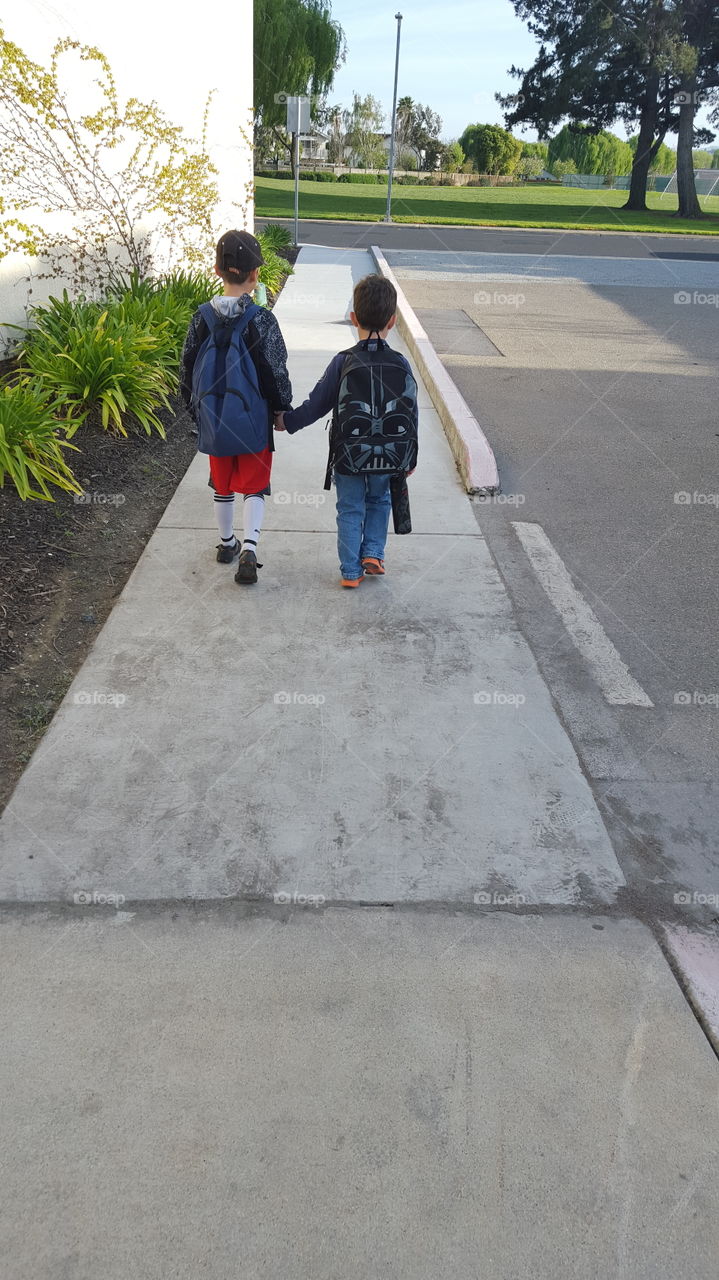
{"points": [[454, 57]]}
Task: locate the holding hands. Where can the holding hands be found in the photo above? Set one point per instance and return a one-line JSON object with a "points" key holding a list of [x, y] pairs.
{"points": [[280, 421]]}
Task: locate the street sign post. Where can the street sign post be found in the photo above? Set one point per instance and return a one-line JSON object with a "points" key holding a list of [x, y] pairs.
{"points": [[298, 121]]}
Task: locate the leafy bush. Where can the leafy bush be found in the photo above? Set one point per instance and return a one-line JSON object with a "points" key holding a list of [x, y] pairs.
{"points": [[191, 288], [162, 307], [275, 236], [119, 357], [275, 268], [373, 179], [103, 363], [53, 320], [31, 452], [306, 175]]}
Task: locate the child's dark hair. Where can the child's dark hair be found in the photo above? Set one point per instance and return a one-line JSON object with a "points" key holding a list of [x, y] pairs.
{"points": [[374, 303]]}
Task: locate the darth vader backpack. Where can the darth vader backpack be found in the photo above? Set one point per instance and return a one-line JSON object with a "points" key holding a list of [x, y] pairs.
{"points": [[374, 426]]}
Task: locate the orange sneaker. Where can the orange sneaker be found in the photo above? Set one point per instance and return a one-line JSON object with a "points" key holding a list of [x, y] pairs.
{"points": [[351, 582], [372, 566]]}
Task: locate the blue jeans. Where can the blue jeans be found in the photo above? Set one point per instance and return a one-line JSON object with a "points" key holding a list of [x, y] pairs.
{"points": [[363, 509]]}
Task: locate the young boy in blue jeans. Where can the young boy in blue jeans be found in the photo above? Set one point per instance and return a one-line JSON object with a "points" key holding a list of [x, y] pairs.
{"points": [[368, 407]]}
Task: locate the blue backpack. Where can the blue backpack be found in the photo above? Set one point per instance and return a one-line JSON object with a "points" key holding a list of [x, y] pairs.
{"points": [[231, 414]]}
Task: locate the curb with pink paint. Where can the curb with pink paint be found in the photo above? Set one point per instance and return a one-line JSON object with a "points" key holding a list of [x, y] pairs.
{"points": [[472, 451]]}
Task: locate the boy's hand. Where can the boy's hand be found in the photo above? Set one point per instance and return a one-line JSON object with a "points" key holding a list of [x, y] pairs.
{"points": [[280, 422]]}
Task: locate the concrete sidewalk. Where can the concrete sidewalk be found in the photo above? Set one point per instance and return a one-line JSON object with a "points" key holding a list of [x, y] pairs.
{"points": [[226, 1091], [351, 1095], [392, 744]]}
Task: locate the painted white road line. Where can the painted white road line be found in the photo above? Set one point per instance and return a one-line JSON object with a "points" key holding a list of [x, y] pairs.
{"points": [[612, 675]]}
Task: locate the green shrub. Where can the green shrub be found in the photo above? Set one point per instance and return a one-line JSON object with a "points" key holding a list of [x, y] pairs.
{"points": [[275, 236], [190, 288], [194, 287], [316, 175], [274, 269], [104, 363], [31, 452], [367, 179], [53, 320], [162, 308]]}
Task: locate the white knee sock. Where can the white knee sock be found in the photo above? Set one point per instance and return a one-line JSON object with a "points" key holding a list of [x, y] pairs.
{"points": [[252, 512], [225, 515]]}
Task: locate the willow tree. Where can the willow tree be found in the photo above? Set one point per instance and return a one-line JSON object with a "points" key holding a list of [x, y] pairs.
{"points": [[297, 49]]}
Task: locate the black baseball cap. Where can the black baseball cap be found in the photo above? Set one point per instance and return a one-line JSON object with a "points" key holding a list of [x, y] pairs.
{"points": [[238, 251]]}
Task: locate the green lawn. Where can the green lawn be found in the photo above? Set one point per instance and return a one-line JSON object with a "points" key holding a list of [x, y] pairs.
{"points": [[567, 208]]}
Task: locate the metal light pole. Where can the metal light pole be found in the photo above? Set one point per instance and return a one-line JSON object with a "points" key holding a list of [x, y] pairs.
{"points": [[388, 215], [297, 178]]}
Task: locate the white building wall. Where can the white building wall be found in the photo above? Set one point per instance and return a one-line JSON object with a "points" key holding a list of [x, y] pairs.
{"points": [[166, 52]]}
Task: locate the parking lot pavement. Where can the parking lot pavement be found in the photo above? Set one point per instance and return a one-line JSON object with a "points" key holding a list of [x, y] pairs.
{"points": [[596, 386]]}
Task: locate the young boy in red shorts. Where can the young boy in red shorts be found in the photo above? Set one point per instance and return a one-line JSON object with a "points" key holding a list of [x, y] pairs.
{"points": [[233, 324]]}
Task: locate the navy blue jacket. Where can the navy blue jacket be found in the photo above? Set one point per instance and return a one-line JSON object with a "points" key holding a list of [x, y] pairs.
{"points": [[322, 399]]}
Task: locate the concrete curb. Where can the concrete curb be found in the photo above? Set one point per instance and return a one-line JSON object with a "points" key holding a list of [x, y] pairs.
{"points": [[472, 451], [694, 956], [641, 236]]}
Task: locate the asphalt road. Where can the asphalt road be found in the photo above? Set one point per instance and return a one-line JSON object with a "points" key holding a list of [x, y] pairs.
{"points": [[361, 235], [596, 382]]}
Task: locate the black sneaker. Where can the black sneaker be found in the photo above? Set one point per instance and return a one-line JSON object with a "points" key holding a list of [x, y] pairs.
{"points": [[247, 567], [225, 554]]}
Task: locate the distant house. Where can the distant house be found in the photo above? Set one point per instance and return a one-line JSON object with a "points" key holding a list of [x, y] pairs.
{"points": [[313, 148]]}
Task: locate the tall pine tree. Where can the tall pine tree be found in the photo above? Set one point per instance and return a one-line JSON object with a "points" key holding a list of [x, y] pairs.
{"points": [[598, 64]]}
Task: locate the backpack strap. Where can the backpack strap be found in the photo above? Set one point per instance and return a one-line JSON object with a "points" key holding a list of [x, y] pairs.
{"points": [[373, 343], [330, 459], [248, 314], [212, 319]]}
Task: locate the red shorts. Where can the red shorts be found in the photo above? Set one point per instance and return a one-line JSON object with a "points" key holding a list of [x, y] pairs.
{"points": [[243, 473]]}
